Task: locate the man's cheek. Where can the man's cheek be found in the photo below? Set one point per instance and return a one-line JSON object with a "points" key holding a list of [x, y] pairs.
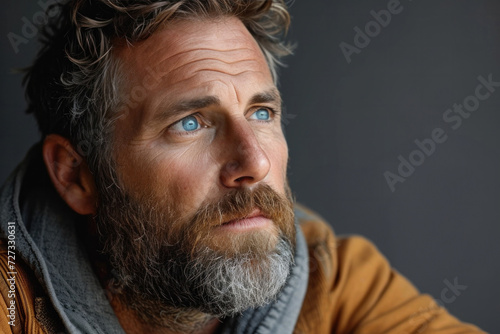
{"points": [[158, 167], [279, 159], [189, 187]]}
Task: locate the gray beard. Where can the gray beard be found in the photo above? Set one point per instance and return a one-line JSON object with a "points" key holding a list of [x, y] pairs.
{"points": [[167, 285], [226, 286], [209, 283]]}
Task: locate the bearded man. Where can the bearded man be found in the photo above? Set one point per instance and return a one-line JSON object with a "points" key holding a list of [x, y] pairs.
{"points": [[157, 200]]}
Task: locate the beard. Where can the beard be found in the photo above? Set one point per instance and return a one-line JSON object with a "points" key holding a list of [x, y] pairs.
{"points": [[178, 272]]}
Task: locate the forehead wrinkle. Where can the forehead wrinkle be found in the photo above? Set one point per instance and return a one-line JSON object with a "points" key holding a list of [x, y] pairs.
{"points": [[218, 60], [192, 42], [200, 49], [184, 60], [223, 72], [231, 68], [223, 35], [140, 54], [198, 73], [224, 45], [171, 61]]}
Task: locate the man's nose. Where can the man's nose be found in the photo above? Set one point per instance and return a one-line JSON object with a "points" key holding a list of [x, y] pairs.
{"points": [[246, 162]]}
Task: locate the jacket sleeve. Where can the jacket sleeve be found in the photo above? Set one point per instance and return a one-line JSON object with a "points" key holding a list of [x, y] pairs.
{"points": [[353, 289]]}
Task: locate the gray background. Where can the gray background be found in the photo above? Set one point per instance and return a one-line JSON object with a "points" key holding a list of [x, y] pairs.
{"points": [[347, 124]]}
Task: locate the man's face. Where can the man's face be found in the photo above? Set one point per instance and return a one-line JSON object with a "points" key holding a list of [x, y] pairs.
{"points": [[203, 217], [207, 123]]}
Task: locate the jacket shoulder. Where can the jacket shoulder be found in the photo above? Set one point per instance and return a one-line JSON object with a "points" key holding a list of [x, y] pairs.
{"points": [[353, 289]]}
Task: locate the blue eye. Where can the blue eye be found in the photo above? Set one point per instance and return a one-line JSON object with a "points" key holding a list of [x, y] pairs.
{"points": [[261, 114], [187, 124], [190, 123]]}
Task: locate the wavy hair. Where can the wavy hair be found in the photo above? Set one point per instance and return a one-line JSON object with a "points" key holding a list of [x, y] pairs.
{"points": [[73, 85]]}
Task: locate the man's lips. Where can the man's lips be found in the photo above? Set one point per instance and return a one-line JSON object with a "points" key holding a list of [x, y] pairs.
{"points": [[256, 219]]}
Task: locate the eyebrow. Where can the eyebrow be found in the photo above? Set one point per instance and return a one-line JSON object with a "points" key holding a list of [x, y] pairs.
{"points": [[270, 96], [193, 104]]}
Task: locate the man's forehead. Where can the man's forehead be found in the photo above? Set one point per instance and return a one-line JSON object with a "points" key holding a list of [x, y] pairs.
{"points": [[192, 60], [188, 40]]}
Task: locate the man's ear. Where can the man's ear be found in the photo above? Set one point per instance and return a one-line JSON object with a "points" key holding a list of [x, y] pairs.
{"points": [[70, 174]]}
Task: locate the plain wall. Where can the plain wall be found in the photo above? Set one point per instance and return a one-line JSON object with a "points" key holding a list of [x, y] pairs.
{"points": [[348, 123]]}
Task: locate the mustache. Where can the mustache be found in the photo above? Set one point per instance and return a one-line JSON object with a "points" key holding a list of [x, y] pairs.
{"points": [[238, 204]]}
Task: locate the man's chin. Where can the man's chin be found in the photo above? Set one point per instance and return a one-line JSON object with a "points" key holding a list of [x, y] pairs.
{"points": [[211, 283], [251, 277], [252, 242]]}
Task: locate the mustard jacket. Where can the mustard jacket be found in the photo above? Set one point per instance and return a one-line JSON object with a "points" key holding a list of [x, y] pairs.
{"points": [[353, 289]]}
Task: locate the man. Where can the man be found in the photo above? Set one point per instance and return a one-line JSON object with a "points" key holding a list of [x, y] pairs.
{"points": [[157, 201]]}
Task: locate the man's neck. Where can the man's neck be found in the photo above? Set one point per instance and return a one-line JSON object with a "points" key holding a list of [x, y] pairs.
{"points": [[132, 324]]}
